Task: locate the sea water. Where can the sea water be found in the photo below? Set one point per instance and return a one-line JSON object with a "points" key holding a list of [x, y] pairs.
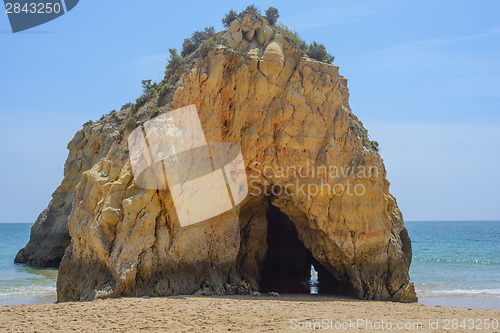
{"points": [[454, 263], [20, 284]]}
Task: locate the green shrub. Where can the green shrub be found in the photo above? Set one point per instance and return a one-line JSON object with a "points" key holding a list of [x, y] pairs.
{"points": [[230, 17], [191, 44], [356, 126], [133, 108], [318, 52], [206, 46], [154, 113], [165, 89], [236, 53], [175, 62], [114, 115], [200, 36], [146, 86], [148, 89], [292, 37], [272, 15], [188, 47], [131, 123], [126, 106], [251, 11], [219, 40], [139, 102]]}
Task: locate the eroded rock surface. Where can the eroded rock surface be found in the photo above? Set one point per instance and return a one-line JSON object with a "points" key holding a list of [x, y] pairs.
{"points": [[284, 110]]}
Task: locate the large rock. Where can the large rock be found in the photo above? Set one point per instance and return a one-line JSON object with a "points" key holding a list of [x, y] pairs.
{"points": [[290, 114], [272, 62], [254, 32]]}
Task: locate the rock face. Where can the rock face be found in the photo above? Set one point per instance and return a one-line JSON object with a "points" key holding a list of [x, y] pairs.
{"points": [[318, 191]]}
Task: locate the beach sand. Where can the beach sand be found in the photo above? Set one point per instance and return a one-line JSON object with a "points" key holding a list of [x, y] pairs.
{"points": [[238, 314]]}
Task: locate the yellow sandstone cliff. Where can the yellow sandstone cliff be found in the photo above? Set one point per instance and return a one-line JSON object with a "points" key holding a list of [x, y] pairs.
{"points": [[288, 113]]}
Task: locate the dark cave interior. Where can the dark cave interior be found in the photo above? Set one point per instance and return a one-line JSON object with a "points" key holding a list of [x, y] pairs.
{"points": [[288, 264]]}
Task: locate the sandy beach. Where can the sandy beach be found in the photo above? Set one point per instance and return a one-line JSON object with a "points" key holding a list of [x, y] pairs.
{"points": [[243, 314]]}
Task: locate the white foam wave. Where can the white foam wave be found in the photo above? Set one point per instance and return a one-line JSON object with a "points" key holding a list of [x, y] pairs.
{"points": [[462, 292], [26, 291]]}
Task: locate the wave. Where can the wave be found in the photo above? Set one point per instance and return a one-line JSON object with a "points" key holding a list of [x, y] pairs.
{"points": [[469, 261], [26, 291], [461, 292]]}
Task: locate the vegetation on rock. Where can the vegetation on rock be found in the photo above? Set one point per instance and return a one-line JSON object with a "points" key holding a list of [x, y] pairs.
{"points": [[318, 52], [202, 42], [197, 38], [230, 17], [131, 123], [314, 50], [272, 15], [175, 62], [358, 127]]}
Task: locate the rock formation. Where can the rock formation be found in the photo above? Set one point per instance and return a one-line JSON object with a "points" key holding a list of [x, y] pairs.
{"points": [[291, 118]]}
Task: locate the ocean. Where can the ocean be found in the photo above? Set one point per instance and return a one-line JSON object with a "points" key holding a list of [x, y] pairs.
{"points": [[455, 263], [20, 284]]}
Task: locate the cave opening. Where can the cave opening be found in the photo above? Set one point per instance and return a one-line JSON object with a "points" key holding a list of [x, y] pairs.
{"points": [[289, 266]]}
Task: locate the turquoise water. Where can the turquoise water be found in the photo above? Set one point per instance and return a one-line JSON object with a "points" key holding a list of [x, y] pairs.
{"points": [[450, 259], [456, 258], [20, 281]]}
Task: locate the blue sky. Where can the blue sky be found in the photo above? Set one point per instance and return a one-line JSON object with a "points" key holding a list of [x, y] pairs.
{"points": [[424, 78]]}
